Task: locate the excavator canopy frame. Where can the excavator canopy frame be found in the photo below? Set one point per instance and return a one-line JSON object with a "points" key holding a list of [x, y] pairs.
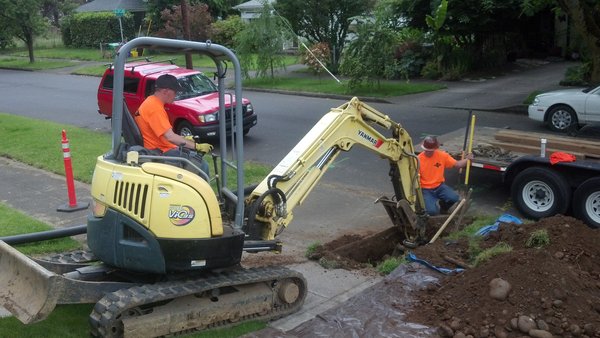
{"points": [[219, 54]]}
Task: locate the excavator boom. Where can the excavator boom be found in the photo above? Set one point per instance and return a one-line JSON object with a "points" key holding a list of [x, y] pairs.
{"points": [[270, 206]]}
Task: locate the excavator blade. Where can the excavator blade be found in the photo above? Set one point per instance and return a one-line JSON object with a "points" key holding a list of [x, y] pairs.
{"points": [[27, 290]]}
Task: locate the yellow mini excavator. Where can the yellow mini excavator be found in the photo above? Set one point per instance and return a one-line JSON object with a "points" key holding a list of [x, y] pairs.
{"points": [[166, 248]]}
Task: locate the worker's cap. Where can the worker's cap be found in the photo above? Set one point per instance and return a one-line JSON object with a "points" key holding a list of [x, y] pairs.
{"points": [[168, 81], [430, 143]]}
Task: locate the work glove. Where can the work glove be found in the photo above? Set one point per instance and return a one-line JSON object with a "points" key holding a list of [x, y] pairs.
{"points": [[204, 147], [189, 137]]}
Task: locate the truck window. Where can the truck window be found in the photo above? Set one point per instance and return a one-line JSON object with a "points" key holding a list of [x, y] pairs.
{"points": [[130, 86], [149, 88]]}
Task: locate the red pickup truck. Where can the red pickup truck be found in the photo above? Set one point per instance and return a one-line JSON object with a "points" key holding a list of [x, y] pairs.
{"points": [[196, 108]]}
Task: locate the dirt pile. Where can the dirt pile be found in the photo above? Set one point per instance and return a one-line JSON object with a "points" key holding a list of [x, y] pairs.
{"points": [[551, 291]]}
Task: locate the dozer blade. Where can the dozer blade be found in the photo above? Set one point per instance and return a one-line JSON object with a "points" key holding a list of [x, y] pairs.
{"points": [[27, 290]]}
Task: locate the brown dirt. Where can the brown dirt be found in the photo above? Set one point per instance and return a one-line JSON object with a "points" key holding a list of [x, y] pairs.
{"points": [[558, 286]]}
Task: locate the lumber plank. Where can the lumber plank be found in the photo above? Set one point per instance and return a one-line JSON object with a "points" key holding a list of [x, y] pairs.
{"points": [[533, 150]]}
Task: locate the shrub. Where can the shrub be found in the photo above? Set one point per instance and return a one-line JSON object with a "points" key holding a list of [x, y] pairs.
{"points": [[91, 29], [224, 31], [318, 51]]}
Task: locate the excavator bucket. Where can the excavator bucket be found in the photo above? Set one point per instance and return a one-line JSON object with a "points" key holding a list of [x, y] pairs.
{"points": [[27, 290]]}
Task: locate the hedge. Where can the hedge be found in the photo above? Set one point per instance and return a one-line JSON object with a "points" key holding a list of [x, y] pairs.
{"points": [[92, 28]]}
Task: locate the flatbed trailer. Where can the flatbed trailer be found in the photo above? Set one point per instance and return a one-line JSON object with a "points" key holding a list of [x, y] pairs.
{"points": [[538, 187]]}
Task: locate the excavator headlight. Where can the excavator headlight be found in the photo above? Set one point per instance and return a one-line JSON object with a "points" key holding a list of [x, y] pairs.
{"points": [[98, 208]]}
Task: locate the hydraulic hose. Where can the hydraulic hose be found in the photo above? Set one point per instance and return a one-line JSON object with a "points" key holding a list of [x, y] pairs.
{"points": [[45, 235]]}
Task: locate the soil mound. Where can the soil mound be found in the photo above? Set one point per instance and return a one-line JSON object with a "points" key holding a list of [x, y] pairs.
{"points": [[544, 291], [552, 290]]}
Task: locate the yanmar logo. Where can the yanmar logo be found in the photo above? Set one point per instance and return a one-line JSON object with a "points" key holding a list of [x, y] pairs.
{"points": [[376, 142], [181, 215]]}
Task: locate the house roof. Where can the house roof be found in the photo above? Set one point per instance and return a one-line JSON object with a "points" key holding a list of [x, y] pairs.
{"points": [[252, 5], [111, 5]]}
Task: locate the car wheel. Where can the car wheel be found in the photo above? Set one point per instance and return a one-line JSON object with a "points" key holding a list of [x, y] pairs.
{"points": [[562, 118], [586, 202], [184, 128], [540, 192]]}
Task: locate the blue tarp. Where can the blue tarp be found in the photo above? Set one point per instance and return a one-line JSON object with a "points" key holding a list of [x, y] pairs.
{"points": [[506, 218], [413, 258]]}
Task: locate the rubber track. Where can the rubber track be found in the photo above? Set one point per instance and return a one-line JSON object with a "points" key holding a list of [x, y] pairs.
{"points": [[107, 311], [71, 257]]}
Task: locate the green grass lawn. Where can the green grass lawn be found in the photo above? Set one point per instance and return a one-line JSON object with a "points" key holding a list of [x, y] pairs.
{"points": [[330, 86], [23, 63], [84, 54]]}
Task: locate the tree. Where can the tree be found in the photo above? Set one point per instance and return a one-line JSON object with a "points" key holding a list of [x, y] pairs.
{"points": [[54, 10], [23, 20], [199, 18], [260, 43], [323, 21], [585, 16], [224, 31]]}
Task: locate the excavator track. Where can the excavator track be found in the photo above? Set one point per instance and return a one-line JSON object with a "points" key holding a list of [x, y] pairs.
{"points": [[211, 301]]}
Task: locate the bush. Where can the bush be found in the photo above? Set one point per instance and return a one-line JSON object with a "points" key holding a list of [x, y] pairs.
{"points": [[224, 31], [91, 29], [578, 75], [320, 51]]}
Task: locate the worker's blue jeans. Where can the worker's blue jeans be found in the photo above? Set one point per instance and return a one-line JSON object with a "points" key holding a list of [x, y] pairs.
{"points": [[442, 193]]}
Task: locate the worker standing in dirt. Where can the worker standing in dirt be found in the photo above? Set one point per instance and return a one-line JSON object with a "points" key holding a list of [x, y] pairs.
{"points": [[156, 129], [432, 164]]}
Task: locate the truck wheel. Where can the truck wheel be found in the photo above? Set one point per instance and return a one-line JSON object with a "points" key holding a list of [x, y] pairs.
{"points": [[586, 202], [184, 128], [562, 118], [540, 192]]}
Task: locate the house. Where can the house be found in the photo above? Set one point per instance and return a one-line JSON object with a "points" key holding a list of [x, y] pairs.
{"points": [[251, 9], [133, 6]]}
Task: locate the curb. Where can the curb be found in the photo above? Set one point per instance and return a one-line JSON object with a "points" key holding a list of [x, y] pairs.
{"points": [[310, 94]]}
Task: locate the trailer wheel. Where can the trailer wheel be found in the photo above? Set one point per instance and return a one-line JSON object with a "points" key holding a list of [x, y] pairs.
{"points": [[586, 202], [540, 192]]}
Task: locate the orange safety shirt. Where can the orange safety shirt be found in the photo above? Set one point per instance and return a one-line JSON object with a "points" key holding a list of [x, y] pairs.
{"points": [[154, 123], [432, 168]]}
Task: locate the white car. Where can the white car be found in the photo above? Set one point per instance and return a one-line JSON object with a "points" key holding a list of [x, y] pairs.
{"points": [[565, 110]]}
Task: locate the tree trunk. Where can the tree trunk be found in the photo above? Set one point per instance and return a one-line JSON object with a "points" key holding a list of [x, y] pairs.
{"points": [[29, 43], [185, 21]]}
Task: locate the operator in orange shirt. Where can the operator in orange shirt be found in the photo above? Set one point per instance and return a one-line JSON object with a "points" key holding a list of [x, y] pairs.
{"points": [[432, 163], [157, 131]]}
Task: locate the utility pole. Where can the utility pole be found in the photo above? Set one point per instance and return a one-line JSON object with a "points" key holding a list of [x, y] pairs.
{"points": [[185, 21]]}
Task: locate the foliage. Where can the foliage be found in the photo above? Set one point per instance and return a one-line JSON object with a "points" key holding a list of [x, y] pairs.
{"points": [[585, 17], [54, 10], [263, 37], [410, 53], [579, 75], [319, 53], [390, 264], [22, 19], [90, 29], [6, 39], [370, 57], [325, 21], [199, 20], [224, 31], [538, 239], [217, 8]]}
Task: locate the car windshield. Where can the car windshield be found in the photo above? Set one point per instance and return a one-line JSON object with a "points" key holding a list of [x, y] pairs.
{"points": [[195, 85]]}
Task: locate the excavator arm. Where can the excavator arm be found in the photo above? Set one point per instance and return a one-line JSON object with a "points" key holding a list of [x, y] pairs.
{"points": [[270, 206]]}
